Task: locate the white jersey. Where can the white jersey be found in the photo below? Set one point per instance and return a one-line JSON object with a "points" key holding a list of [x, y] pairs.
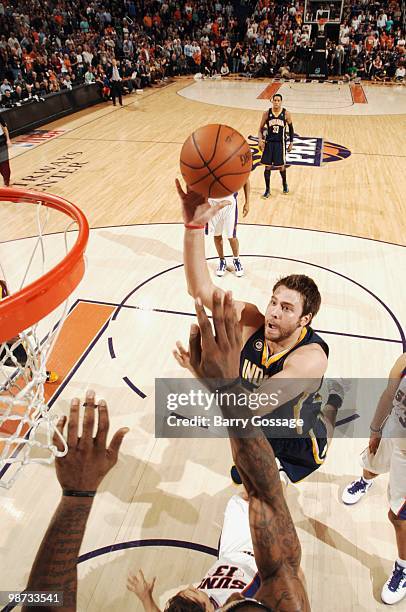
{"points": [[234, 574], [391, 454], [235, 571], [395, 427]]}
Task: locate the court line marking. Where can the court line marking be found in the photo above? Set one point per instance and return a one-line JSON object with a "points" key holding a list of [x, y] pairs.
{"points": [[193, 314], [304, 229], [290, 259], [164, 542]]}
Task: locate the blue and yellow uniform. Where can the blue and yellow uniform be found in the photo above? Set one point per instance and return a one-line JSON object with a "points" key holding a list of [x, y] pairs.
{"points": [[275, 139], [300, 451]]}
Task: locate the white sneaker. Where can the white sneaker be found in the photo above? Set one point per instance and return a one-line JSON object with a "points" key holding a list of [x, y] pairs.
{"points": [[239, 270], [394, 589], [355, 491], [221, 268]]}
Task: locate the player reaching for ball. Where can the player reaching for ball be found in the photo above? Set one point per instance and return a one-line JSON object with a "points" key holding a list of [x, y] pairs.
{"points": [[225, 222], [280, 352], [273, 123]]}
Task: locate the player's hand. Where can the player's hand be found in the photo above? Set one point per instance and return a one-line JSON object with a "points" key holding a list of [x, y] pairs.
{"points": [[290, 147], [138, 585], [374, 441], [245, 210], [216, 356], [87, 460], [182, 356], [195, 208], [261, 144]]}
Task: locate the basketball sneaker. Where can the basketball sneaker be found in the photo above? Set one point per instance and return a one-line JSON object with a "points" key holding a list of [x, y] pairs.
{"points": [[52, 377], [266, 195], [355, 491], [285, 189], [239, 270], [394, 588], [221, 268]]}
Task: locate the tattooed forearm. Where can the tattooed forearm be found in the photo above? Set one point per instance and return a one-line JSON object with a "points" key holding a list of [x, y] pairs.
{"points": [[276, 545], [54, 567]]}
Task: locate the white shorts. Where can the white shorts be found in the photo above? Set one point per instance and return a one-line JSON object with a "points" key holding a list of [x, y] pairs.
{"points": [[225, 221], [236, 534], [390, 457]]}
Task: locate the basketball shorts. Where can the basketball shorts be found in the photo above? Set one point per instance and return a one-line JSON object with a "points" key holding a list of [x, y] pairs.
{"points": [[390, 457], [236, 534], [225, 221], [274, 154], [300, 457]]}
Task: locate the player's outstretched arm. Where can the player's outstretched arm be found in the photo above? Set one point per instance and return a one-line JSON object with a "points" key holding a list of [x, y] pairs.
{"points": [[196, 213], [276, 545], [261, 127], [385, 403], [143, 590], [79, 473]]}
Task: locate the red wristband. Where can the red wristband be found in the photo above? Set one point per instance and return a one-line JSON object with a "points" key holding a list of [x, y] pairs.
{"points": [[190, 226]]}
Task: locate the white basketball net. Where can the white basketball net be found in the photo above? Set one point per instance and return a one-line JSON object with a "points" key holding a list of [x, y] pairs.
{"points": [[27, 426]]}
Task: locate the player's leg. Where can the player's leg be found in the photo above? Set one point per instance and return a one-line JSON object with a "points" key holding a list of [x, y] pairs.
{"points": [[5, 165], [267, 177], [394, 590], [280, 161], [373, 465], [222, 264], [266, 160], [230, 229], [282, 172]]}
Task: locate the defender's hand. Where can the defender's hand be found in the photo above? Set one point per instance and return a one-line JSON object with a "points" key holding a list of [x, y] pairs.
{"points": [[138, 585], [216, 356], [88, 459]]}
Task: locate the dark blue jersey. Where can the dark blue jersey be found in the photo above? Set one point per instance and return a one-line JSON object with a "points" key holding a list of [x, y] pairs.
{"points": [[275, 126], [256, 366]]}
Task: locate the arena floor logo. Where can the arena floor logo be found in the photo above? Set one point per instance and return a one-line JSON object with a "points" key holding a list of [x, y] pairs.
{"points": [[307, 151]]}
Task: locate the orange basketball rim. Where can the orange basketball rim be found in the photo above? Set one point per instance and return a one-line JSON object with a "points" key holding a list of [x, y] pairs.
{"points": [[32, 303]]}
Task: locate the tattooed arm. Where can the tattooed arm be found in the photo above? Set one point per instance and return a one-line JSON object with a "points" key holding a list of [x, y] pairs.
{"points": [[54, 568], [81, 470], [276, 545]]}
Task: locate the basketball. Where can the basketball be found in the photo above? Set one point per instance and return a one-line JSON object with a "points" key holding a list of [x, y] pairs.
{"points": [[215, 161]]}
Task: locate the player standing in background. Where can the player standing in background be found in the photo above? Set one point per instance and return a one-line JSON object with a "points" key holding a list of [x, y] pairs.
{"points": [[273, 146], [386, 452], [5, 142], [225, 221]]}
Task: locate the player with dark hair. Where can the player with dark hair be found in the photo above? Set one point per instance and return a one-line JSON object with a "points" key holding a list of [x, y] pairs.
{"points": [[280, 352], [272, 141]]}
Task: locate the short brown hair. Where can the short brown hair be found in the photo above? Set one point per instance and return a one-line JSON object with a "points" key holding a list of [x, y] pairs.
{"points": [[180, 603], [307, 288]]}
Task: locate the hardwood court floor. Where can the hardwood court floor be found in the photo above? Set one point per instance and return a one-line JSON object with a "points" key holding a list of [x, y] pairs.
{"points": [[119, 166]]}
